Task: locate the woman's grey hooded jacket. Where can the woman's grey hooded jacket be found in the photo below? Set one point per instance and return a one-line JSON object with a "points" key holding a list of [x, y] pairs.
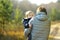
{"points": [[40, 26]]}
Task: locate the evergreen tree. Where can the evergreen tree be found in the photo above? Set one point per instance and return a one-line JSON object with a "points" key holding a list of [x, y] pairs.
{"points": [[18, 15], [53, 14], [6, 9]]}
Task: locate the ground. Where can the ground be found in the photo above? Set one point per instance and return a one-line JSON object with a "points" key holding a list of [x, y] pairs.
{"points": [[55, 31], [18, 35]]}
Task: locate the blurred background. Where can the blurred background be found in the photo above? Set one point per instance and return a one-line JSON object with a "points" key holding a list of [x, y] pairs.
{"points": [[12, 12]]}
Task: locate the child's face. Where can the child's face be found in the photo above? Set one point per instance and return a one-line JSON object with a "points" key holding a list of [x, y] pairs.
{"points": [[30, 15]]}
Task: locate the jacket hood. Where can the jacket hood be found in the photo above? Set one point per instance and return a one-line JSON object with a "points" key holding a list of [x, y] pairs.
{"points": [[41, 16]]}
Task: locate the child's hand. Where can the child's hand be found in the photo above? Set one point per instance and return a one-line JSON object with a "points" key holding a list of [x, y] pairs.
{"points": [[30, 26]]}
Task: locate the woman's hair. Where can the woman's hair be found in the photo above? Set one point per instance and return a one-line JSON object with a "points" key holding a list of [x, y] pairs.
{"points": [[41, 9]]}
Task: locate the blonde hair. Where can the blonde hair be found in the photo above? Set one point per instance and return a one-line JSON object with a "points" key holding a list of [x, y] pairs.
{"points": [[28, 12]]}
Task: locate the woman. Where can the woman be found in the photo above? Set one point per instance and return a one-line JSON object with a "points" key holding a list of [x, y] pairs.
{"points": [[40, 24]]}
